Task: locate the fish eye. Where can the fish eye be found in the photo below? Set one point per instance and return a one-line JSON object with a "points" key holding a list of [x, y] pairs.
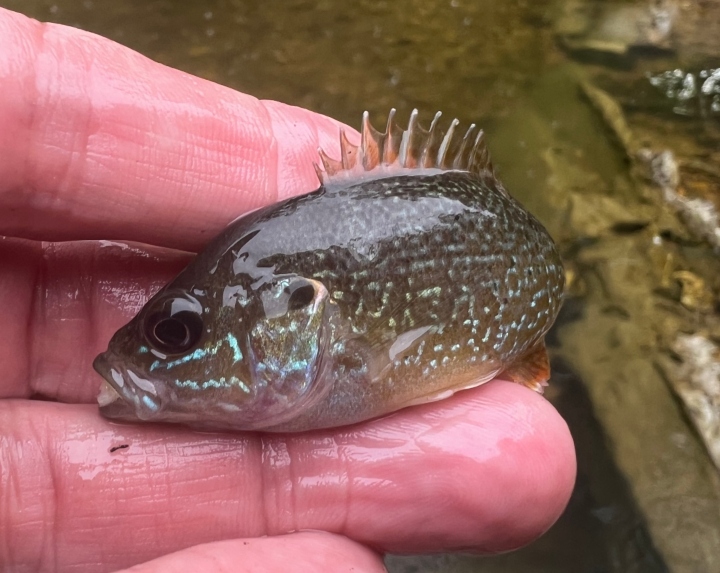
{"points": [[301, 294], [173, 332]]}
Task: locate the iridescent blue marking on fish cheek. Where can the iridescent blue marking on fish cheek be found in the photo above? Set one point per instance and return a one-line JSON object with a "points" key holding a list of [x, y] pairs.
{"points": [[196, 355], [200, 353], [233, 343], [150, 403]]}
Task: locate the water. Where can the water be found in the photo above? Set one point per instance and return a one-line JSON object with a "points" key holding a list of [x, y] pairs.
{"points": [[515, 68]]}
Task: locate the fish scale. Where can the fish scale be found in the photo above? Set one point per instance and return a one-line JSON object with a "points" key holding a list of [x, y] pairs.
{"points": [[408, 275]]}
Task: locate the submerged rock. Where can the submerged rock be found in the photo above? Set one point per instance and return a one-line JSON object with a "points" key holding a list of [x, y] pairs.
{"points": [[697, 382]]}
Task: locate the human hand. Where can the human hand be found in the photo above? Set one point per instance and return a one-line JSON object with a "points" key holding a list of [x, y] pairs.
{"points": [[97, 142]]}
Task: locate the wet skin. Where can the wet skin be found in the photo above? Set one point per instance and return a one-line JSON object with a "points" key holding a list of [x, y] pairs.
{"points": [[89, 152]]}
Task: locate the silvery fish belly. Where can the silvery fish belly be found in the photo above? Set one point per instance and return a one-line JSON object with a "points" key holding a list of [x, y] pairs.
{"points": [[408, 275]]}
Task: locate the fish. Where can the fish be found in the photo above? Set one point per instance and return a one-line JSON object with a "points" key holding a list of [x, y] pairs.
{"points": [[408, 275]]}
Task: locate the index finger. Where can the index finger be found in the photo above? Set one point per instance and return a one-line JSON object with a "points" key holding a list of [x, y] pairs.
{"points": [[101, 142], [485, 470]]}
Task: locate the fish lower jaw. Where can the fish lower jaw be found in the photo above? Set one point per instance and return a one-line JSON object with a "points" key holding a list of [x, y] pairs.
{"points": [[107, 394]]}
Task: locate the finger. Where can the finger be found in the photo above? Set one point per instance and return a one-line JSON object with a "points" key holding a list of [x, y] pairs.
{"points": [[101, 142], [62, 303], [486, 470], [299, 553]]}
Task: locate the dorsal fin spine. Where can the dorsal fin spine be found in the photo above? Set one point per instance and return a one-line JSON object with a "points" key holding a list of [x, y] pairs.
{"points": [[393, 138], [445, 145], [429, 156]]}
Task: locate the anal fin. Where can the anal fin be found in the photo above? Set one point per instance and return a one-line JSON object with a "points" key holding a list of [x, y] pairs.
{"points": [[531, 370]]}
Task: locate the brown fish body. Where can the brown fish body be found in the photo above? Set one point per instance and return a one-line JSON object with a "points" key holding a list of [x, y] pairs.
{"points": [[392, 287]]}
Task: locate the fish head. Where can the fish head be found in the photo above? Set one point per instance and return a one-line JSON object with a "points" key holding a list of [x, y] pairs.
{"points": [[241, 357]]}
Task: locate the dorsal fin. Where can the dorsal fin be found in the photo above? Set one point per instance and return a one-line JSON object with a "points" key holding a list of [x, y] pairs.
{"points": [[411, 148]]}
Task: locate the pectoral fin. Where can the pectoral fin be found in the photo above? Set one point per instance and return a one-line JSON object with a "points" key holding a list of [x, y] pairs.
{"points": [[531, 370]]}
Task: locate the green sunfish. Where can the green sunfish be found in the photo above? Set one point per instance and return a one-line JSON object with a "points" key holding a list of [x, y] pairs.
{"points": [[408, 275]]}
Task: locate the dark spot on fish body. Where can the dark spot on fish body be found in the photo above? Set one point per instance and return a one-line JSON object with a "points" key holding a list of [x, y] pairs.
{"points": [[301, 296], [120, 447]]}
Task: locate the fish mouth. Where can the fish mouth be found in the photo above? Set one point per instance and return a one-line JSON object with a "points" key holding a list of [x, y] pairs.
{"points": [[119, 398], [109, 391]]}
